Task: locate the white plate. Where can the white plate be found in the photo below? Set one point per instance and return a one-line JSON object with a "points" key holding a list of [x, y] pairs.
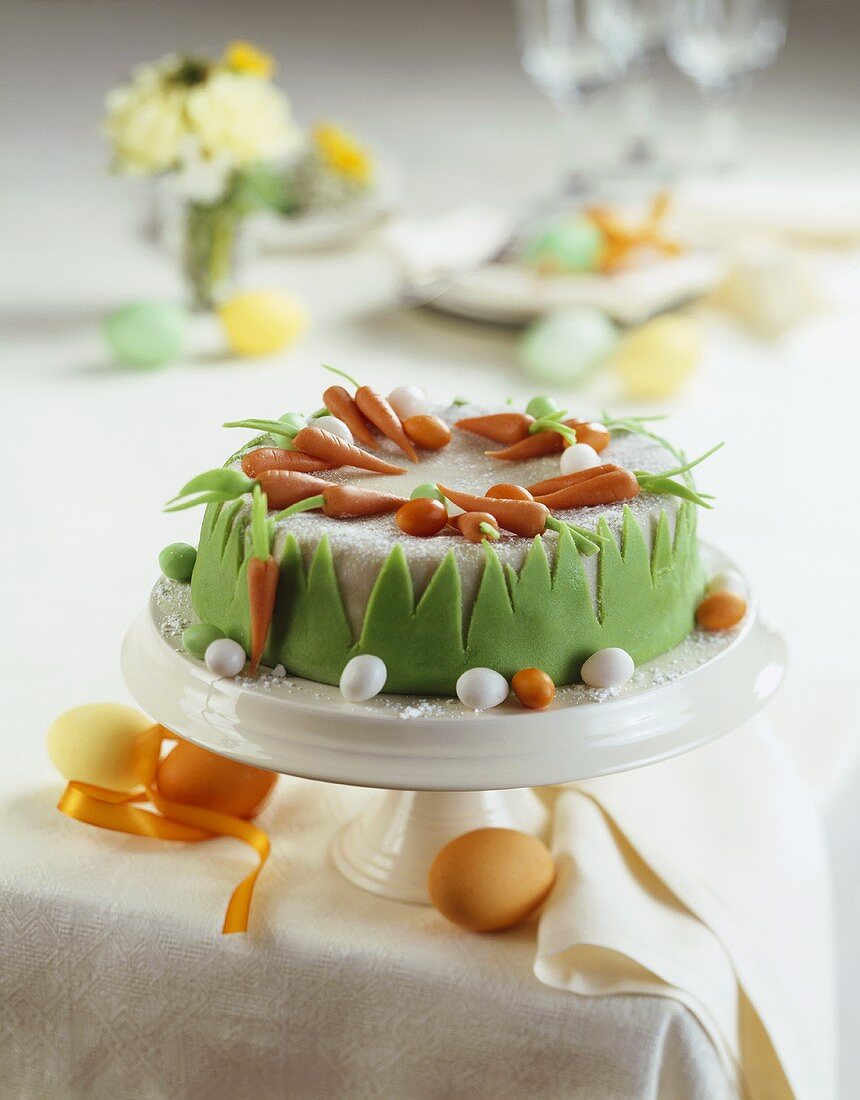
{"points": [[510, 293], [705, 687]]}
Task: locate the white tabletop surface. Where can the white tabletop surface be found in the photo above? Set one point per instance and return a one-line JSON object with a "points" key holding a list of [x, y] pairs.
{"points": [[92, 450]]}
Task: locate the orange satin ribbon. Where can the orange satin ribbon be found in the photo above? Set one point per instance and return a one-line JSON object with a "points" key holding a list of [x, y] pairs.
{"points": [[116, 810]]}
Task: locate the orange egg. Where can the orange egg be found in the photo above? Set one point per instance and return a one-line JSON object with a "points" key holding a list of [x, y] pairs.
{"points": [[592, 432], [196, 777], [423, 517], [720, 611], [427, 432], [491, 879], [505, 490], [534, 688]]}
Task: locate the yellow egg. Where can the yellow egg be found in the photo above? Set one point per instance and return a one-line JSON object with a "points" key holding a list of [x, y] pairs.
{"points": [[199, 778], [260, 322], [95, 744], [654, 360], [491, 879]]}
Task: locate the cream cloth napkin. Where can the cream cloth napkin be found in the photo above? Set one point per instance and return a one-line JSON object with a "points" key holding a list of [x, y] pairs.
{"points": [[704, 878]]}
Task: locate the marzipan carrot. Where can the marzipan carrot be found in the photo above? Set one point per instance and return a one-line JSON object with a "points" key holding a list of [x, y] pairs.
{"points": [[533, 446], [345, 502], [331, 448], [381, 415], [476, 526], [285, 487], [263, 573], [609, 488], [523, 517], [339, 403], [553, 484], [273, 458], [507, 427]]}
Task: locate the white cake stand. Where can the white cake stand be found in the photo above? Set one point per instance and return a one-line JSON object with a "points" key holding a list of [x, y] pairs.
{"points": [[445, 770]]}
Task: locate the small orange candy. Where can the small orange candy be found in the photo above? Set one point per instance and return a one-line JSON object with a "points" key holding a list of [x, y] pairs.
{"points": [[505, 490], [427, 432], [720, 611], [592, 432], [534, 688], [422, 517]]}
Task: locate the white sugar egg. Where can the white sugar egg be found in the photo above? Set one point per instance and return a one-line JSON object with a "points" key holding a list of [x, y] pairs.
{"points": [[608, 668], [581, 456], [225, 657], [729, 580], [482, 688], [333, 425], [362, 678], [409, 401]]}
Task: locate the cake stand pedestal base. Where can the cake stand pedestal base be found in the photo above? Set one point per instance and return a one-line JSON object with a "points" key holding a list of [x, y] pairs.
{"points": [[389, 847]]}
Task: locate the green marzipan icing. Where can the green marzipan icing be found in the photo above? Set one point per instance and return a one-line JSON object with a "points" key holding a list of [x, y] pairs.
{"points": [[541, 616]]}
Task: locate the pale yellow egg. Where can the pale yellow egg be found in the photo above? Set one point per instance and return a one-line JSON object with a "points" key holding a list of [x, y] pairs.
{"points": [[94, 744], [491, 879], [655, 360], [261, 322]]}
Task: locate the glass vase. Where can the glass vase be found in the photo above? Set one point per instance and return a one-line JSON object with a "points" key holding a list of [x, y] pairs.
{"points": [[209, 251]]}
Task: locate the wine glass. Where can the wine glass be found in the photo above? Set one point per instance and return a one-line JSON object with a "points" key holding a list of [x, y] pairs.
{"points": [[648, 26], [719, 44], [572, 50]]}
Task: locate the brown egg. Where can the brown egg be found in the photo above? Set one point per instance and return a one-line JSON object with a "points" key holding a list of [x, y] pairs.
{"points": [[720, 611], [491, 879], [199, 778], [534, 688], [427, 432]]}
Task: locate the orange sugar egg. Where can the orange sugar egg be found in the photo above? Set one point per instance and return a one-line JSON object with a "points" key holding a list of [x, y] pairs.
{"points": [[506, 490], [720, 611], [423, 517], [534, 688], [427, 432], [195, 777]]}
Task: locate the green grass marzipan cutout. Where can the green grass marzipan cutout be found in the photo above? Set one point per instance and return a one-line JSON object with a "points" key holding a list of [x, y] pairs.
{"points": [[540, 616]]}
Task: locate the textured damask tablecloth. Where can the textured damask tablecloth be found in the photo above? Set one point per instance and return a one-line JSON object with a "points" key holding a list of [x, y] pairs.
{"points": [[115, 982]]}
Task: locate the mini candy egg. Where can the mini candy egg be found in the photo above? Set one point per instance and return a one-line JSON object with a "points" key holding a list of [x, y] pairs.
{"points": [[147, 334], [177, 560], [564, 245], [427, 432], [363, 678], [335, 426], [427, 489], [533, 688], [506, 490], [565, 347], [482, 688], [197, 638], [261, 322], [720, 611], [95, 743], [491, 879], [578, 457], [225, 657], [729, 580], [423, 517], [654, 360], [541, 406], [608, 668], [409, 401], [196, 777]]}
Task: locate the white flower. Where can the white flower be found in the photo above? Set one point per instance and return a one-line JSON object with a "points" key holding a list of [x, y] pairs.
{"points": [[202, 179], [145, 122], [242, 116]]}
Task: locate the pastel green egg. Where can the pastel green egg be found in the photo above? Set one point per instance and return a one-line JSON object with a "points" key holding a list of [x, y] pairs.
{"points": [[565, 347], [196, 639], [177, 560], [147, 334], [564, 245], [427, 489], [261, 322], [95, 743], [655, 360], [541, 406]]}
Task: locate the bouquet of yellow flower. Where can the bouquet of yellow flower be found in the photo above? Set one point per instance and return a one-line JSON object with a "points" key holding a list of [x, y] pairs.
{"points": [[214, 124]]}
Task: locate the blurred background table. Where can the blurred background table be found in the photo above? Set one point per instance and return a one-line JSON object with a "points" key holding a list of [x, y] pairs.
{"points": [[440, 87]]}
